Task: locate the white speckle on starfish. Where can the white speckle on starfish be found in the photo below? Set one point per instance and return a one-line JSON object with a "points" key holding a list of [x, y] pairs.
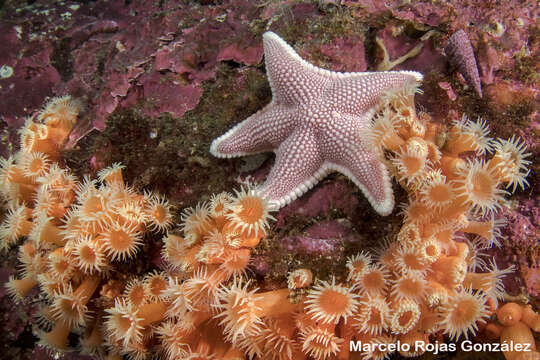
{"points": [[316, 123]]}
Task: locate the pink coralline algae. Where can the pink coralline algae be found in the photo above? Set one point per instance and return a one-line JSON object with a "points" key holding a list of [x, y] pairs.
{"points": [[243, 55], [325, 238], [423, 12], [32, 71], [311, 246], [346, 54], [523, 228], [167, 94], [114, 55], [84, 32], [488, 61], [532, 280], [522, 233], [407, 53], [461, 55], [332, 195]]}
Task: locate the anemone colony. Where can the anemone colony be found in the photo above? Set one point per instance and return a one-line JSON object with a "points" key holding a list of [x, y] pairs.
{"points": [[427, 283]]}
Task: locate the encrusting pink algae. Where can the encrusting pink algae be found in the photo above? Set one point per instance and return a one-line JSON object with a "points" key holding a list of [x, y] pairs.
{"points": [[113, 245]]}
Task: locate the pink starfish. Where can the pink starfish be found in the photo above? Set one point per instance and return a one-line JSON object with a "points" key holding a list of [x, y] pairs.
{"points": [[317, 123]]}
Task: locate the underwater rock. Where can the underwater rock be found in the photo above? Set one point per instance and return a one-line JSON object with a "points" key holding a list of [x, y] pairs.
{"points": [[320, 200], [346, 54], [397, 44]]}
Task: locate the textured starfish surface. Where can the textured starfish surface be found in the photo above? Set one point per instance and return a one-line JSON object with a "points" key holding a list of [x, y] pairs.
{"points": [[317, 122]]}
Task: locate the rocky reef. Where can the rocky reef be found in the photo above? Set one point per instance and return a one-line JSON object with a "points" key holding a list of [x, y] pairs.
{"points": [[156, 82]]}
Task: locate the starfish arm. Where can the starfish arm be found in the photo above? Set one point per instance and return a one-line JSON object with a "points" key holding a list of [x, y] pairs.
{"points": [[345, 151], [292, 79], [354, 93], [371, 176], [261, 132], [297, 169]]}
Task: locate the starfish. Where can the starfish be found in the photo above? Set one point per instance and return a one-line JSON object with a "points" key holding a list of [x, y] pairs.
{"points": [[317, 122]]}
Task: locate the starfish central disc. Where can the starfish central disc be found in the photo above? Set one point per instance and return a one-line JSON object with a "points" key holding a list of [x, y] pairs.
{"points": [[317, 122]]}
